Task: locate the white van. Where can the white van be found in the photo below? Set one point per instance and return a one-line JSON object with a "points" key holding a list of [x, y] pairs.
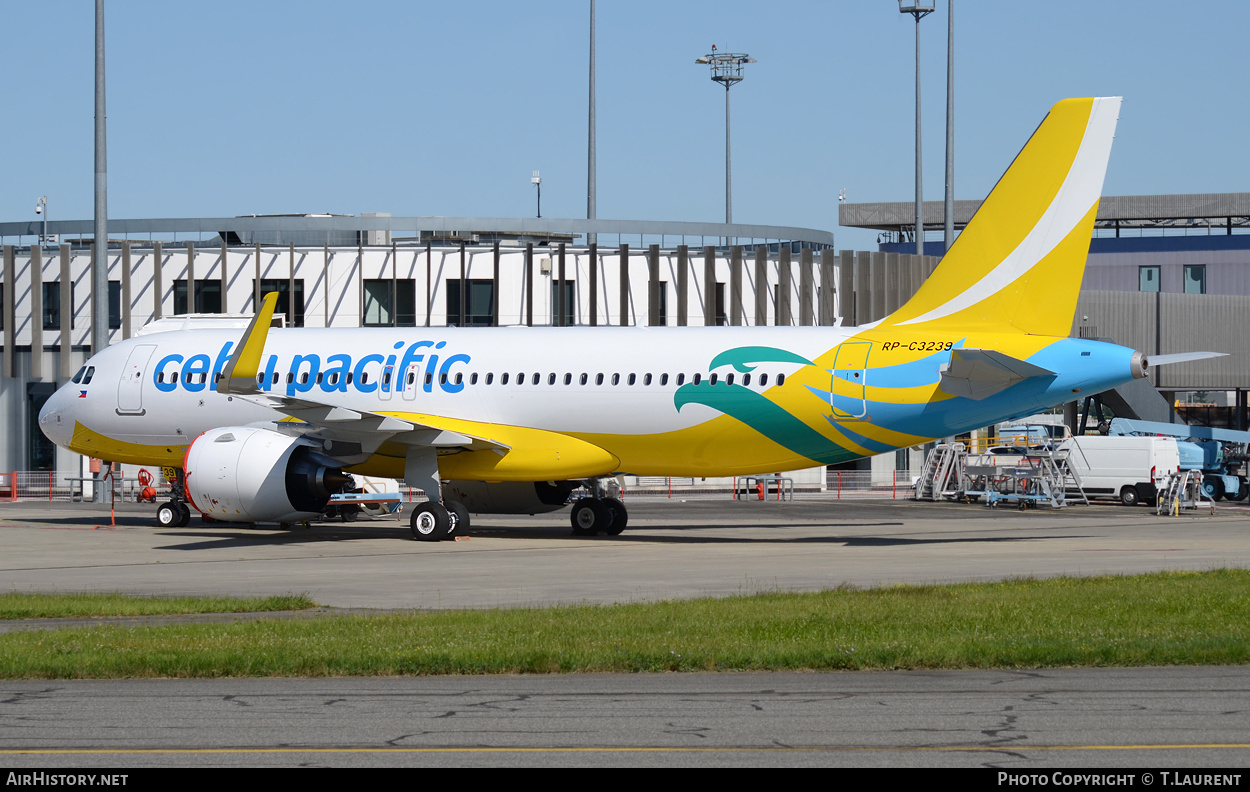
{"points": [[1127, 468]]}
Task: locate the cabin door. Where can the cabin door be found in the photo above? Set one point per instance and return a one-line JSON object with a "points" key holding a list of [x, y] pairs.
{"points": [[850, 372]]}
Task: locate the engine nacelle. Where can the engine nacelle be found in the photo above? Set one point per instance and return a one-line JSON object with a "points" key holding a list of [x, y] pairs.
{"points": [[249, 474], [510, 497]]}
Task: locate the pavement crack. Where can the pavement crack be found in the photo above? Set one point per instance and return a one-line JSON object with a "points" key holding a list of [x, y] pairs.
{"points": [[692, 731], [24, 695]]}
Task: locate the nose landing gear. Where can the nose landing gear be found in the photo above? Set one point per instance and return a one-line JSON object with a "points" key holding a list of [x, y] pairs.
{"points": [[174, 513]]}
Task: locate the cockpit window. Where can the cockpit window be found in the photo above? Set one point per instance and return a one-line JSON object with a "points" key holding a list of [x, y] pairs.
{"points": [[86, 380], [78, 376]]}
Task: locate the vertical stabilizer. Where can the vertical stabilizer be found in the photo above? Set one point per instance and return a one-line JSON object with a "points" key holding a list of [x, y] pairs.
{"points": [[1018, 265]]}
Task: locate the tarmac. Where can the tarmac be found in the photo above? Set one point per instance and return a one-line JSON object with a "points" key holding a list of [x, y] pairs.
{"points": [[673, 549]]}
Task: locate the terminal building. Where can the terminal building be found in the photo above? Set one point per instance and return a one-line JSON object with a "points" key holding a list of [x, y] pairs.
{"points": [[1165, 274]]}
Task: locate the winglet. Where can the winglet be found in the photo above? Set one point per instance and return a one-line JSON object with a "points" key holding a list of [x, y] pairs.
{"points": [[239, 376]]}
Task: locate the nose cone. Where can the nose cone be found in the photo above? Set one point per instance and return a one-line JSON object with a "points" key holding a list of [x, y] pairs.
{"points": [[53, 420]]}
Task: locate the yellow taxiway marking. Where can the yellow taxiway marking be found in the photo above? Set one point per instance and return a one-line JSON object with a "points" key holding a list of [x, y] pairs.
{"points": [[629, 749]]}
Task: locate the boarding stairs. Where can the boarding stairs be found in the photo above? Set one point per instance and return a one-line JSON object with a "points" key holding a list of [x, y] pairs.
{"points": [[943, 471], [1035, 476], [1182, 490]]}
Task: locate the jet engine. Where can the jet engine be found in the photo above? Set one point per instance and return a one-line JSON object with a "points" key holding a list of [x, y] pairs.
{"points": [[510, 497], [250, 474]]}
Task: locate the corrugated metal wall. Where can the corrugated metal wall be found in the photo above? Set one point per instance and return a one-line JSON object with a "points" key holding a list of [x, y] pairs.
{"points": [[1185, 322]]}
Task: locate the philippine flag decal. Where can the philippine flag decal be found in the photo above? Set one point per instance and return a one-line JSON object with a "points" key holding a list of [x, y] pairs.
{"points": [[82, 394]]}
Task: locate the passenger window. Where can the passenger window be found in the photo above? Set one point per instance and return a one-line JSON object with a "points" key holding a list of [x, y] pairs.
{"points": [[503, 378], [303, 378], [663, 379], [260, 379], [334, 379], [160, 377], [203, 377], [646, 379], [763, 380], [412, 377], [781, 379], [568, 379], [616, 379], [584, 378], [290, 377], [711, 380], [364, 378], [729, 379], [746, 380], [473, 378], [536, 378], [429, 378], [459, 378], [598, 379], [320, 375], [442, 379], [350, 376], [520, 379], [698, 378], [188, 377], [681, 378], [490, 377], [632, 378]]}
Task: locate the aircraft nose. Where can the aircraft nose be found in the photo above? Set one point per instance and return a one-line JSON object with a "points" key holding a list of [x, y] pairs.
{"points": [[53, 420]]}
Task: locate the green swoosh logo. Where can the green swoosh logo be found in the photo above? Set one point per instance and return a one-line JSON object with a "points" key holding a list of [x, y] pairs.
{"points": [[765, 417], [741, 358]]}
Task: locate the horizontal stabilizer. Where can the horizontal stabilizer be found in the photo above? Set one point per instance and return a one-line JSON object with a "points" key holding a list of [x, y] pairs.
{"points": [[1181, 357], [980, 373]]}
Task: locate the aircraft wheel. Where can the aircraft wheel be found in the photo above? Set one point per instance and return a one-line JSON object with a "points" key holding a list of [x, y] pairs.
{"points": [[184, 515], [459, 519], [167, 514], [589, 517], [1242, 492], [620, 517], [1128, 495], [430, 522]]}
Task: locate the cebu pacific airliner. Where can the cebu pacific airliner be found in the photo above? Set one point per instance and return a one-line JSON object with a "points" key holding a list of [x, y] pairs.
{"points": [[266, 426]]}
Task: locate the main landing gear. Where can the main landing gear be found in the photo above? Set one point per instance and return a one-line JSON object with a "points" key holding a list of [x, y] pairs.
{"points": [[604, 513], [432, 521]]}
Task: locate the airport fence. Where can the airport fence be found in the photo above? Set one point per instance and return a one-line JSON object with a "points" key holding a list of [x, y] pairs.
{"points": [[839, 484], [59, 485]]}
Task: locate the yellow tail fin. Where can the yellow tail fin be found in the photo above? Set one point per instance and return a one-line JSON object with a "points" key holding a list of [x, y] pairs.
{"points": [[1018, 264]]}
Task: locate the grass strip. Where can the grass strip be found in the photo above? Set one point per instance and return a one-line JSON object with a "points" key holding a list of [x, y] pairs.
{"points": [[1173, 618], [14, 605]]}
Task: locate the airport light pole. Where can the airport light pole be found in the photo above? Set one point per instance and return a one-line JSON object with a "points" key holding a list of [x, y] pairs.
{"points": [[727, 70], [591, 209], [948, 234], [919, 9], [537, 181], [99, 271]]}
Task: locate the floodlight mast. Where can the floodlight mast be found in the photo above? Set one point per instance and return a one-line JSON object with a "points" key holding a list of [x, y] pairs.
{"points": [[919, 9], [537, 181], [727, 70]]}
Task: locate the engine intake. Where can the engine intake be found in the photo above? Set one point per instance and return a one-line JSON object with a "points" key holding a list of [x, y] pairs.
{"points": [[249, 474]]}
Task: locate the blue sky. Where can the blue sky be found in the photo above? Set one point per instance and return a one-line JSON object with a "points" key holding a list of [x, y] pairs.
{"points": [[419, 108]]}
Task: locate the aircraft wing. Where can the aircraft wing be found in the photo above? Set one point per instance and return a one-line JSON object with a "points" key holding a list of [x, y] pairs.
{"points": [[348, 435], [355, 435], [980, 373]]}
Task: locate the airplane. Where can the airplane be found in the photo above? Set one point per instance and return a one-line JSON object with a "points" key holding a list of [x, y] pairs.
{"points": [[267, 426]]}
